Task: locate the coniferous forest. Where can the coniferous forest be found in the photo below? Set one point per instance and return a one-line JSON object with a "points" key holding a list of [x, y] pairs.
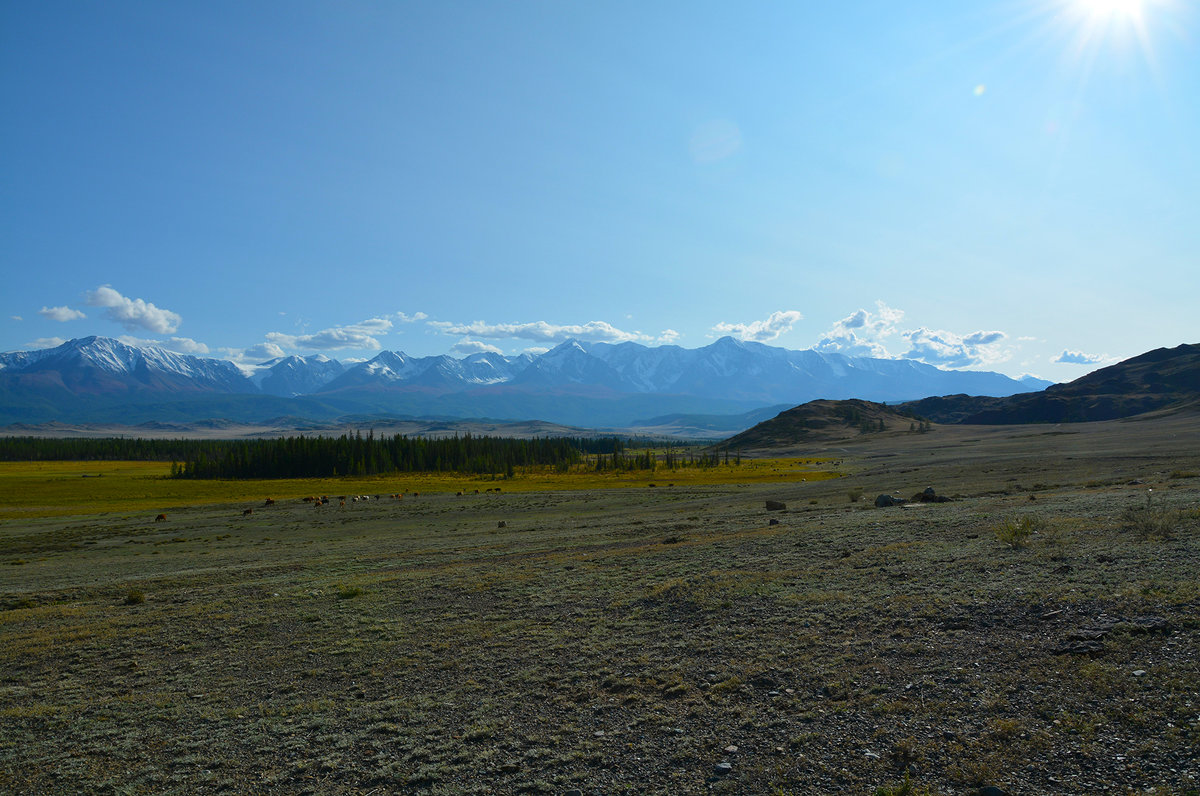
{"points": [[355, 454]]}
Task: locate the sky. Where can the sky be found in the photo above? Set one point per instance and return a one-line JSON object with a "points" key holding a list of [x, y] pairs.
{"points": [[1010, 186]]}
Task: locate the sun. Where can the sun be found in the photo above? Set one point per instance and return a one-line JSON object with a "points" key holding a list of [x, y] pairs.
{"points": [[1112, 24]]}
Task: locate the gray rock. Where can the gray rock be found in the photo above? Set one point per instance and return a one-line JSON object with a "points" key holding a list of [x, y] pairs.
{"points": [[721, 769]]}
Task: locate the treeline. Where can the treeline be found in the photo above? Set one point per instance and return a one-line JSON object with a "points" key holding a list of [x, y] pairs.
{"points": [[121, 449], [358, 455], [623, 459]]}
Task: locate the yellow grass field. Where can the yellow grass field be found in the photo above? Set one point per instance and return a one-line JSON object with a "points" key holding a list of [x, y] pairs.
{"points": [[48, 489]]}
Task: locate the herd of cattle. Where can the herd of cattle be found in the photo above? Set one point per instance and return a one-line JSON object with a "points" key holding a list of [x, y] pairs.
{"points": [[324, 500]]}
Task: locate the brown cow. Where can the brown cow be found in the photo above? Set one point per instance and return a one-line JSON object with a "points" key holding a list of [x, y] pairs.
{"points": [[270, 502], [247, 511], [160, 518]]}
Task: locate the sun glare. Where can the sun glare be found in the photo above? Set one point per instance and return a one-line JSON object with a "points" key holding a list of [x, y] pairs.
{"points": [[1120, 25], [1111, 10]]}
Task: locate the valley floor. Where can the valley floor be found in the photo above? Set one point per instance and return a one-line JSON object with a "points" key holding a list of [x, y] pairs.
{"points": [[667, 640]]}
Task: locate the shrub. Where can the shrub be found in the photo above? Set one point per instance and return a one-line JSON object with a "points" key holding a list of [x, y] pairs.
{"points": [[906, 787], [135, 597], [1150, 519], [1017, 531], [855, 495], [347, 592]]}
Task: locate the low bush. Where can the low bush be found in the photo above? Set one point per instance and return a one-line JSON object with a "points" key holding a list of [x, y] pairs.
{"points": [[1017, 531], [1151, 519]]}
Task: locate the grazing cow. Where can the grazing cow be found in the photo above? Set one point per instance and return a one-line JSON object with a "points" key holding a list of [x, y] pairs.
{"points": [[247, 511], [270, 502], [342, 504], [160, 518]]}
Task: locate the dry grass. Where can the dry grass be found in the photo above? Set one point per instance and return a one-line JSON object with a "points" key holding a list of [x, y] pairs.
{"points": [[58, 489], [617, 640]]}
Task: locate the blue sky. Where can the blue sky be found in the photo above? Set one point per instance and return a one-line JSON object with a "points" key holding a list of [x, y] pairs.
{"points": [[1011, 185]]}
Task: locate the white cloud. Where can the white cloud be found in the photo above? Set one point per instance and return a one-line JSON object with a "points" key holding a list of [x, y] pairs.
{"points": [[252, 355], [264, 351], [61, 314], [860, 333], [536, 350], [186, 345], [180, 345], [542, 332], [44, 342], [16, 317], [474, 347], [1078, 358], [363, 334], [775, 324], [668, 337], [133, 314], [946, 349], [405, 318]]}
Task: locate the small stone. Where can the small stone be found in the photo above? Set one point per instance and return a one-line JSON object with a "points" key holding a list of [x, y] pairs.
{"points": [[598, 734], [872, 755], [772, 693], [1139, 673], [731, 749], [721, 769]]}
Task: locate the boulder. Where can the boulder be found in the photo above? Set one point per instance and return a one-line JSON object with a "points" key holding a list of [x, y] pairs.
{"points": [[775, 505]]}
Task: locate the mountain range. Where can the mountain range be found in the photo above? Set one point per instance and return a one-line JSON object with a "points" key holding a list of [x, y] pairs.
{"points": [[98, 379]]}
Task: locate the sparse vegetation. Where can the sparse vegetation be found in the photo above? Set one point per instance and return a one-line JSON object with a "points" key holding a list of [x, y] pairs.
{"points": [[1151, 519], [414, 646], [1016, 532]]}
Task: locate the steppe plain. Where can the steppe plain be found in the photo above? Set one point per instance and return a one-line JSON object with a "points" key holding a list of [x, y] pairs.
{"points": [[632, 640]]}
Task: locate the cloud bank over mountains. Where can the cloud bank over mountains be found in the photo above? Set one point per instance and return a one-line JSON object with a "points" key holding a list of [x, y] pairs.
{"points": [[875, 333]]}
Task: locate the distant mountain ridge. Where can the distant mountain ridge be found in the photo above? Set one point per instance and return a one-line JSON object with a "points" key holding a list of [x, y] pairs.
{"points": [[576, 383]]}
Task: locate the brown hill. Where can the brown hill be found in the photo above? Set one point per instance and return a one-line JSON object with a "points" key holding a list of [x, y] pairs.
{"points": [[1164, 378], [822, 421]]}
